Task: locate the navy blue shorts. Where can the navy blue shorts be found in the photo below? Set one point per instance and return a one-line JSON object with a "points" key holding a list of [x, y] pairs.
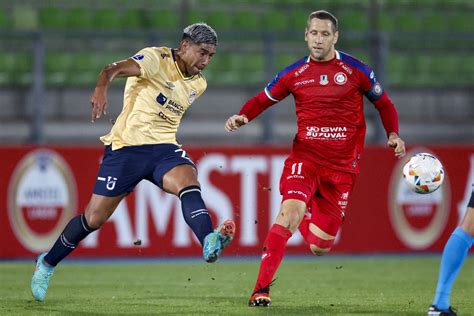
{"points": [[122, 169]]}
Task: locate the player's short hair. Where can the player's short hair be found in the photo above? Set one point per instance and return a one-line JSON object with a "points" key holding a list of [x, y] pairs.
{"points": [[323, 15], [200, 33]]}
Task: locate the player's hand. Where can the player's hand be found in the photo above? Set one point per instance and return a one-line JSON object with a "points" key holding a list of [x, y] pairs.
{"points": [[235, 122], [98, 103], [397, 144]]}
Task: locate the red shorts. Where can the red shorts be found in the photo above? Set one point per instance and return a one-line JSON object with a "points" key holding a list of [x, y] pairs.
{"points": [[325, 191]]}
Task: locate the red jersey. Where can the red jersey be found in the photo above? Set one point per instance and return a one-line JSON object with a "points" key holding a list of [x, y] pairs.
{"points": [[329, 108]]}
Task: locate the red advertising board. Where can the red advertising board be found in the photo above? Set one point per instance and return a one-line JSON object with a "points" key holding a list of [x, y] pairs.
{"points": [[42, 188]]}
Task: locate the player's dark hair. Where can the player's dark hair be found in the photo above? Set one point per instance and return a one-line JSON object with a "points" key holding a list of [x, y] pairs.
{"points": [[200, 33], [323, 15]]}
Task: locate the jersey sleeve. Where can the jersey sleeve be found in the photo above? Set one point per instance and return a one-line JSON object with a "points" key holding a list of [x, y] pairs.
{"points": [[277, 90], [371, 87], [380, 99], [148, 61]]}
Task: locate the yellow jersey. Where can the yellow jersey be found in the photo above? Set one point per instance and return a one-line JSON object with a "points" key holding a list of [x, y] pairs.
{"points": [[155, 101]]}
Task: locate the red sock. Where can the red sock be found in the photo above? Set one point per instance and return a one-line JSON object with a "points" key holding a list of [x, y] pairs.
{"points": [[273, 251]]}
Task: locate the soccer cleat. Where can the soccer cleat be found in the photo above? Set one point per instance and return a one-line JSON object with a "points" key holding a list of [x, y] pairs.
{"points": [[40, 279], [260, 299], [434, 311], [216, 241]]}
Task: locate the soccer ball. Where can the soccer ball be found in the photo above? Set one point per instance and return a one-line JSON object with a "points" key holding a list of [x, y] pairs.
{"points": [[423, 173]]}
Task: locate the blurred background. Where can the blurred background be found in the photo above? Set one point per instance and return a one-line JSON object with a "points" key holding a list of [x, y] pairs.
{"points": [[52, 51]]}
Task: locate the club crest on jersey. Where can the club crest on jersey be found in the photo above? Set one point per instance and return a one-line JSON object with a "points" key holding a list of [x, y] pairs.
{"points": [[340, 78], [377, 89], [192, 96], [323, 80]]}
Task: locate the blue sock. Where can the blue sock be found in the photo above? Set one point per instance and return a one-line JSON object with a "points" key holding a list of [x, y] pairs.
{"points": [[454, 254], [195, 212], [76, 230]]}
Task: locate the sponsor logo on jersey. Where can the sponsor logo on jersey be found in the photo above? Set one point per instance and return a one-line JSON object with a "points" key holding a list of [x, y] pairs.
{"points": [[192, 96], [161, 99], [170, 105], [417, 219], [326, 133], [138, 57], [304, 82], [169, 85], [165, 55], [298, 193], [346, 68], [323, 80], [295, 176], [301, 70], [340, 78], [42, 199]]}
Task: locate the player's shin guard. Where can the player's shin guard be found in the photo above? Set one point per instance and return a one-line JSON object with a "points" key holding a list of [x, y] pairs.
{"points": [[273, 252], [76, 230], [195, 212]]}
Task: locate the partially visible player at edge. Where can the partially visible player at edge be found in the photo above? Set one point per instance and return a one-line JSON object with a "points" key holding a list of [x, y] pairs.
{"points": [[454, 254], [328, 87], [162, 84]]}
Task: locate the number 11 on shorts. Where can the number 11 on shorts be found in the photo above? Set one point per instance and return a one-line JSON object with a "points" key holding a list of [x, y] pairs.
{"points": [[296, 168]]}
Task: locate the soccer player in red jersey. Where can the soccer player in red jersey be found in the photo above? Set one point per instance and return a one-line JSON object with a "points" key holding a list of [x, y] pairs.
{"points": [[328, 87]]}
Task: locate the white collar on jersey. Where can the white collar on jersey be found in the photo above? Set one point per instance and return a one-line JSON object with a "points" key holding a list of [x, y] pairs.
{"points": [[338, 56]]}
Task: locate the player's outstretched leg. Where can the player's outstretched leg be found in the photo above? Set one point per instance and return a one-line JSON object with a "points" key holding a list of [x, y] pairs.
{"points": [[41, 277], [215, 242]]}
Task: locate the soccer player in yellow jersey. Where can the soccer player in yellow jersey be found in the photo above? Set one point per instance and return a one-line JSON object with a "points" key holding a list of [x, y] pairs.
{"points": [[162, 83]]}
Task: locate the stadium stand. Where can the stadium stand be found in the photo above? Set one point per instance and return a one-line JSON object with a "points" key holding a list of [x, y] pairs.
{"points": [[424, 45]]}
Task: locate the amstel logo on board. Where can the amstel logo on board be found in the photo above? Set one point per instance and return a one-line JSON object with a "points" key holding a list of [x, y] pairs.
{"points": [[42, 198], [417, 219]]}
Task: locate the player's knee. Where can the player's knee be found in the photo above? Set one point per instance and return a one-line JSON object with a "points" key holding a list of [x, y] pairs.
{"points": [[94, 219], [291, 214], [290, 218]]}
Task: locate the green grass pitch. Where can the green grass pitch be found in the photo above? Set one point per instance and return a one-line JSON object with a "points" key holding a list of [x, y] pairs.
{"points": [[336, 285]]}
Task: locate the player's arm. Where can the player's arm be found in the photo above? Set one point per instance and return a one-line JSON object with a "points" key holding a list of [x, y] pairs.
{"points": [[388, 114], [251, 109], [387, 111], [123, 68], [274, 92]]}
